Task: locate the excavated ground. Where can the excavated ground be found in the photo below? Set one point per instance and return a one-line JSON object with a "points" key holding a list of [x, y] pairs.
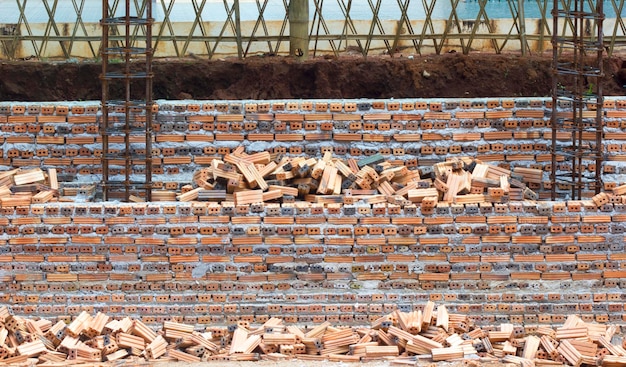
{"points": [[451, 76]]}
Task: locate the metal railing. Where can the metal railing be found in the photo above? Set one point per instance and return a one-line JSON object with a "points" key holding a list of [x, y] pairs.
{"points": [[70, 29]]}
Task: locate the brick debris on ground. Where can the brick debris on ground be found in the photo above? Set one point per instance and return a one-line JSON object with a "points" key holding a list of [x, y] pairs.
{"points": [[403, 338]]}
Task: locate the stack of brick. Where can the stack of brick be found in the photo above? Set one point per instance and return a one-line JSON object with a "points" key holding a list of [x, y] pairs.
{"points": [[260, 178], [20, 187]]}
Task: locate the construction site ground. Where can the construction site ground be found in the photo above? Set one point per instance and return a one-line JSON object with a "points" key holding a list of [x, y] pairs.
{"points": [[350, 76], [451, 75]]}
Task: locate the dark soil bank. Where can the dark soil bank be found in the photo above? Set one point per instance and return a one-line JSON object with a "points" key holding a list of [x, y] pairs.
{"points": [[450, 75]]}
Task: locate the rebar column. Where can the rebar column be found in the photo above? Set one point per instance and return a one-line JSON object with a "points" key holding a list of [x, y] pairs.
{"points": [[577, 124], [127, 104]]}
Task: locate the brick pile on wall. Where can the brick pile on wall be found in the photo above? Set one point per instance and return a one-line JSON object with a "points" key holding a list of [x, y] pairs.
{"points": [[206, 263], [188, 136]]}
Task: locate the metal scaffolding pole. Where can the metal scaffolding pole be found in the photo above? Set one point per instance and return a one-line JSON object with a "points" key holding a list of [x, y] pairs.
{"points": [[127, 105]]}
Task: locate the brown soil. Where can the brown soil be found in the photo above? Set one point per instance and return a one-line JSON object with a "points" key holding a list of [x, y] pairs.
{"points": [[449, 75]]}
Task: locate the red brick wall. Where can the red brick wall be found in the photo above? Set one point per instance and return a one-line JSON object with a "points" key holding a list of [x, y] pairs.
{"points": [[202, 263]]}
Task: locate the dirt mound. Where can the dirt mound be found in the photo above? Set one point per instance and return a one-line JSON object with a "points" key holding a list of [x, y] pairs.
{"points": [[444, 76]]}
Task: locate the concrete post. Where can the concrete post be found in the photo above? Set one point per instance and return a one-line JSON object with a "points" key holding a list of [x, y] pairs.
{"points": [[299, 29], [238, 30], [522, 26]]}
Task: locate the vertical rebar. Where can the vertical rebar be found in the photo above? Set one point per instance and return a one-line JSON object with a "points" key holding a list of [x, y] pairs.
{"points": [[127, 102], [104, 125], [136, 114], [577, 111], [555, 99], [600, 95], [149, 100]]}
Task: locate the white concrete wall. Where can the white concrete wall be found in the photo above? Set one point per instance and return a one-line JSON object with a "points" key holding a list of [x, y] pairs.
{"points": [[228, 45]]}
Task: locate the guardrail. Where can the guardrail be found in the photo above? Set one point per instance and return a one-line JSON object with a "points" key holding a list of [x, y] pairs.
{"points": [[70, 28]]}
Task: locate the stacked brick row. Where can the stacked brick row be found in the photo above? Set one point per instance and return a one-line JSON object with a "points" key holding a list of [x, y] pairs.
{"points": [[417, 132], [207, 263]]}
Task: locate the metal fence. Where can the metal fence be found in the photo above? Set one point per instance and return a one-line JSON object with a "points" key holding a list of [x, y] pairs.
{"points": [[211, 28]]}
